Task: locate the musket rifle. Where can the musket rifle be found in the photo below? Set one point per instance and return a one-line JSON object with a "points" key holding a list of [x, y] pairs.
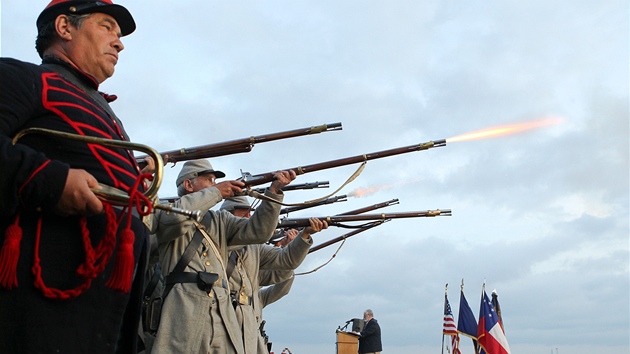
{"points": [[338, 220], [371, 207], [255, 180], [290, 187], [340, 198], [236, 146], [357, 231]]}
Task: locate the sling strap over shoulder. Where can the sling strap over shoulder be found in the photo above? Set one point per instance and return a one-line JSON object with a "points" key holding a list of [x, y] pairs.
{"points": [[178, 275], [155, 279], [231, 264]]}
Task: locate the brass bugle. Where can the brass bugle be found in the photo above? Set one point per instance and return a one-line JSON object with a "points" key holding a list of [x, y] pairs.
{"points": [[116, 196], [111, 194]]}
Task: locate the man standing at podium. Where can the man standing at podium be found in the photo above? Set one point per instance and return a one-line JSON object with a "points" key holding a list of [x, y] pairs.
{"points": [[370, 340]]}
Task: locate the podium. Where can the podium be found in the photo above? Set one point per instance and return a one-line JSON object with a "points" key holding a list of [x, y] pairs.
{"points": [[347, 343]]}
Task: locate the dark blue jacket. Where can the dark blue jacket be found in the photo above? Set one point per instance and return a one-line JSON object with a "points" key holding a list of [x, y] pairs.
{"points": [[73, 254], [370, 340]]}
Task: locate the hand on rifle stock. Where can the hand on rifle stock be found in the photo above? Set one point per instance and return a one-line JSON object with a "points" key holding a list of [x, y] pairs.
{"points": [[150, 164], [317, 225], [230, 188], [281, 179], [291, 233]]}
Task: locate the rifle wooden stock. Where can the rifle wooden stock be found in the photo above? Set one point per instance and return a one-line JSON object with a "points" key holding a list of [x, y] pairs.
{"points": [[344, 236], [255, 180], [236, 146], [338, 219], [340, 198]]}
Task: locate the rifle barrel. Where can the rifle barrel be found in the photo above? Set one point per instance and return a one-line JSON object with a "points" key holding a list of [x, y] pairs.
{"points": [[254, 180], [338, 219], [340, 198], [236, 146], [370, 208]]}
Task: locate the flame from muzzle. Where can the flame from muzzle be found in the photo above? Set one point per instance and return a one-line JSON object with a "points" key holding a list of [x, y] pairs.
{"points": [[498, 131], [366, 191]]}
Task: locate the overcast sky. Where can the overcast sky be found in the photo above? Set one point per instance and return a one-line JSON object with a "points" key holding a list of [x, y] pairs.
{"points": [[542, 216]]}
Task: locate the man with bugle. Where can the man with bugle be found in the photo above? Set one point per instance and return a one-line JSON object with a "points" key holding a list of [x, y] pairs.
{"points": [[71, 265]]}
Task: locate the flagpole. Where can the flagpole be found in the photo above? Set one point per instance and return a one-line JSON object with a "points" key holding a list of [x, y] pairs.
{"points": [[445, 292], [483, 290]]}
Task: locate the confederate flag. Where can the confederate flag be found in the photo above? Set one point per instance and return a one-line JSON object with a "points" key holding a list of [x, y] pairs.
{"points": [[489, 332]]}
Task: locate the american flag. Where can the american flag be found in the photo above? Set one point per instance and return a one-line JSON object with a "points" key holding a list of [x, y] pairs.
{"points": [[450, 327]]}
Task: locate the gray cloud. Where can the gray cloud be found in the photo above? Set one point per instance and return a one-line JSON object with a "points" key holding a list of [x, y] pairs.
{"points": [[540, 216]]}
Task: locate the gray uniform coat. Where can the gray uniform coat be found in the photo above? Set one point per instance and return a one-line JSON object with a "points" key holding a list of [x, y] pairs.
{"points": [[245, 282], [274, 292], [192, 320]]}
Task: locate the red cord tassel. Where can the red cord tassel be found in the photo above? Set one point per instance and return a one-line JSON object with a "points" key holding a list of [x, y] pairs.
{"points": [[9, 255], [125, 263], [122, 276]]}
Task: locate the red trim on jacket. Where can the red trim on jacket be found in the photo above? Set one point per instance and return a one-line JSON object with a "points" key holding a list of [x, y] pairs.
{"points": [[28, 180]]}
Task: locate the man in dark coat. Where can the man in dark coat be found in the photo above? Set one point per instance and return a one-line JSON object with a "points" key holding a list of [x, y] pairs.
{"points": [[370, 340], [71, 265]]}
